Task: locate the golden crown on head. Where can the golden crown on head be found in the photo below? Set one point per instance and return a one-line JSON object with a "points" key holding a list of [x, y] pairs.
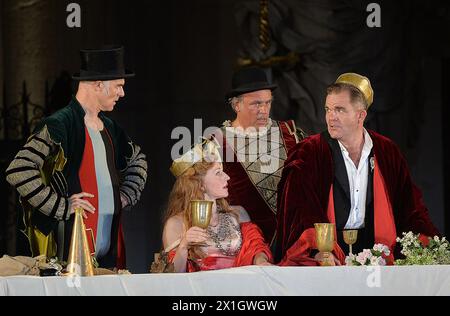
{"points": [[360, 82], [206, 151]]}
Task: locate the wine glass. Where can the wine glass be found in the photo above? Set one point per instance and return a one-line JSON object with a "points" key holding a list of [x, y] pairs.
{"points": [[325, 240], [350, 238]]}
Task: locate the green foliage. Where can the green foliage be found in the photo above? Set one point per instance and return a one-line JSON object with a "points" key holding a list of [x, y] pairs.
{"points": [[435, 253]]}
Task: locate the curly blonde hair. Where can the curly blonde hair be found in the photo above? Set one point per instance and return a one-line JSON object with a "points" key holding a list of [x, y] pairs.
{"points": [[188, 187]]}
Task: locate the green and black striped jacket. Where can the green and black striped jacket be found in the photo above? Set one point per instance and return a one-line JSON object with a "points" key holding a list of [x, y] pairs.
{"points": [[45, 171]]}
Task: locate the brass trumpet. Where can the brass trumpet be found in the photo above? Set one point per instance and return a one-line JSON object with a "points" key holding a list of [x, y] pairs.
{"points": [[80, 258]]}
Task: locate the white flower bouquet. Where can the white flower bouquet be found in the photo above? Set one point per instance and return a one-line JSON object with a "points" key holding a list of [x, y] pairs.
{"points": [[369, 257], [436, 252]]}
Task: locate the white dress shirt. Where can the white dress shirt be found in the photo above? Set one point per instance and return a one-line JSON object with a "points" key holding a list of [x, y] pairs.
{"points": [[358, 178]]}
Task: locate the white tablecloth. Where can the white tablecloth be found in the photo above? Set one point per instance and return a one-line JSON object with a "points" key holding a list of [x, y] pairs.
{"points": [[247, 281]]}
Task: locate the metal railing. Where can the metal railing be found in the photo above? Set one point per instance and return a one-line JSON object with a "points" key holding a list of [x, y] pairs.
{"points": [[16, 122]]}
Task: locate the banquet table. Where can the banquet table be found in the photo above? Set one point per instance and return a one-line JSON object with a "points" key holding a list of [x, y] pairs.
{"points": [[245, 281]]}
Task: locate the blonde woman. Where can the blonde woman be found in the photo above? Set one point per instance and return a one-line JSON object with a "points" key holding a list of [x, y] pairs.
{"points": [[230, 240]]}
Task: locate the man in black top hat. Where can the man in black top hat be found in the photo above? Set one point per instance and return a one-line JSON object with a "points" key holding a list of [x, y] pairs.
{"points": [[255, 148], [79, 158]]}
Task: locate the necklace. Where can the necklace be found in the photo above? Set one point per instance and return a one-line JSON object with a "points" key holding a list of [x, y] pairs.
{"points": [[226, 233]]}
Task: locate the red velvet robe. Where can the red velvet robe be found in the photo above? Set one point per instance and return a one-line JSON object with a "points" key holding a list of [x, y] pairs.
{"points": [[243, 192], [252, 244], [306, 187]]}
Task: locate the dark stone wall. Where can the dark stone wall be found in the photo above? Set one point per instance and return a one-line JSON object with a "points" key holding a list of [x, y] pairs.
{"points": [[183, 53]]}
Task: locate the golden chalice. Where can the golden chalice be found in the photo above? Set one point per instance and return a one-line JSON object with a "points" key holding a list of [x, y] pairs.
{"points": [[201, 213], [325, 240], [350, 237]]}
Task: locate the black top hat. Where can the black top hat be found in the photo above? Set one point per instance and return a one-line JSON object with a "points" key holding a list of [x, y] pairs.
{"points": [[248, 80], [102, 64]]}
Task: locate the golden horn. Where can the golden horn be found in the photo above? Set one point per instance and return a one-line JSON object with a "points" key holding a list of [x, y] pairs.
{"points": [[80, 259]]}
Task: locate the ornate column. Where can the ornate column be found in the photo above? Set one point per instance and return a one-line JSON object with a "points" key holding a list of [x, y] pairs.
{"points": [[27, 61]]}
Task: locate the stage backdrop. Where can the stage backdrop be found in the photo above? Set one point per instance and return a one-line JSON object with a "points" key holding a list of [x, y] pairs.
{"points": [[184, 52]]}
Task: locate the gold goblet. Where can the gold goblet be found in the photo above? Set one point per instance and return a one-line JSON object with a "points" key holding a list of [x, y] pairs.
{"points": [[325, 240], [201, 213], [350, 237]]}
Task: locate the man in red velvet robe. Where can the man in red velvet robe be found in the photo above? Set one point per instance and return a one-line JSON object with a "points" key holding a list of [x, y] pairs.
{"points": [[255, 148], [349, 176]]}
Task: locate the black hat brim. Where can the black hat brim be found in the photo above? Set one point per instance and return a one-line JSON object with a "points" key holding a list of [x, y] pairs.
{"points": [[99, 77], [240, 91]]}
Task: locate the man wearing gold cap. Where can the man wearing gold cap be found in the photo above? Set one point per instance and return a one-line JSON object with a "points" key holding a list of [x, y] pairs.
{"points": [[349, 176]]}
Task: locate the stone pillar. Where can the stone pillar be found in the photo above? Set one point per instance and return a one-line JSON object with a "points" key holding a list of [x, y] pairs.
{"points": [[27, 54], [29, 33]]}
